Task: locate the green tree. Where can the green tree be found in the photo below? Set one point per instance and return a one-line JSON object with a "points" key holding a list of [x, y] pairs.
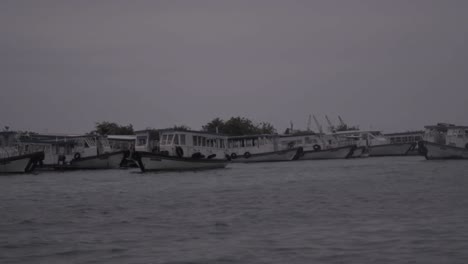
{"points": [[110, 128], [266, 128], [238, 126], [214, 124], [181, 127]]}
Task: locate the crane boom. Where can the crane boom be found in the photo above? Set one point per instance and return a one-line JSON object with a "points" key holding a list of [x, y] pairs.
{"points": [[319, 127], [330, 125], [341, 121]]}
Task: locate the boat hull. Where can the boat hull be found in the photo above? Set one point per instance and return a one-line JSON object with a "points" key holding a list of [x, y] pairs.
{"points": [[390, 150], [359, 152], [21, 164], [105, 161], [434, 151], [334, 153], [148, 161], [283, 155]]}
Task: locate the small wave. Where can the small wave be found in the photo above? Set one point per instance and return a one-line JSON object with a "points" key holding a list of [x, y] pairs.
{"points": [[26, 222], [74, 252]]}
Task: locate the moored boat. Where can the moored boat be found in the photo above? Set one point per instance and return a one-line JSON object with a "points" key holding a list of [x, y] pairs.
{"points": [[110, 160], [395, 149], [149, 161], [331, 153], [281, 155], [179, 150], [445, 141], [75, 152], [20, 163], [433, 151], [317, 146], [259, 148], [374, 144], [14, 158]]}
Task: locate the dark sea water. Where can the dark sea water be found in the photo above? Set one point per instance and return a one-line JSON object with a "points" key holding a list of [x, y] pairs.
{"points": [[375, 210]]}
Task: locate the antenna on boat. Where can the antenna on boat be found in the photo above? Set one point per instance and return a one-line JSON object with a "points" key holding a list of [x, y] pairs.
{"points": [[292, 125], [309, 121]]}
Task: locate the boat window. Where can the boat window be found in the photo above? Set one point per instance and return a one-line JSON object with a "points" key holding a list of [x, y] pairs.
{"points": [[176, 139], [248, 143], [195, 140], [182, 140], [164, 139], [141, 141], [203, 141], [169, 139], [242, 143]]}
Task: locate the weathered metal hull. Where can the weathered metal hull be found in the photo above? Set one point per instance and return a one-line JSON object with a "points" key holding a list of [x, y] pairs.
{"points": [[359, 152], [390, 150], [283, 155], [105, 161], [21, 164], [434, 151], [148, 161], [334, 153]]}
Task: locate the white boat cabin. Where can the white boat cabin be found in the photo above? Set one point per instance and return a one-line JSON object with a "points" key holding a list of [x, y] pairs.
{"points": [[253, 144], [147, 140], [182, 143], [457, 136], [447, 134], [121, 142], [63, 149], [9, 144], [361, 138], [405, 137], [310, 141], [437, 133]]}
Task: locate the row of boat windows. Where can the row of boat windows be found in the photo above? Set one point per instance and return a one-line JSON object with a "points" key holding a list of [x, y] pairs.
{"points": [[200, 141], [405, 139], [173, 139], [459, 133], [248, 142], [307, 141]]}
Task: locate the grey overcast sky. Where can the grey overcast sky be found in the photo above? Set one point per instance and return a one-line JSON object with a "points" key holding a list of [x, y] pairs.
{"points": [[393, 65]]}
